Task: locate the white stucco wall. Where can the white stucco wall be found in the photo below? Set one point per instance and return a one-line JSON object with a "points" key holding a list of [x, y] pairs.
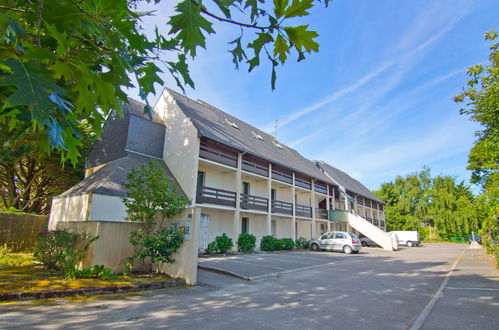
{"points": [[257, 226], [304, 229], [70, 208], [215, 178], [220, 222], [107, 208], [181, 149], [284, 228]]}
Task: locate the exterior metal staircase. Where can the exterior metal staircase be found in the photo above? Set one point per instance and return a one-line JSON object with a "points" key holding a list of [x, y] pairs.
{"points": [[368, 229]]}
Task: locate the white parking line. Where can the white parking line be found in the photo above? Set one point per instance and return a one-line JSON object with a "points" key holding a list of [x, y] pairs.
{"points": [[418, 322]]}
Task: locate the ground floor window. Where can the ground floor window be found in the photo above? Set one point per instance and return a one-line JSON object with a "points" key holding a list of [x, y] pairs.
{"points": [[244, 225]]}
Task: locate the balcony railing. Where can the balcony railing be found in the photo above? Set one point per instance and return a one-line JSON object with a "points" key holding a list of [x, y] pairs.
{"points": [[212, 151], [255, 165], [281, 207], [303, 182], [382, 223], [376, 222], [254, 202], [215, 196], [281, 174], [320, 188], [321, 213], [370, 220], [303, 211]]}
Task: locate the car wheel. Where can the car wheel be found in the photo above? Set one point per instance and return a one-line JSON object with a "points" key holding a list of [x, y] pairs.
{"points": [[314, 247], [409, 244], [364, 244], [347, 249]]}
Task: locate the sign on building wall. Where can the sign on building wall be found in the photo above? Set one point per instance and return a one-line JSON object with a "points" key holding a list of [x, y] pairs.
{"points": [[185, 228]]}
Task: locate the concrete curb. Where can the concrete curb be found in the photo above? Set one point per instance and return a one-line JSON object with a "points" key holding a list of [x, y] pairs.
{"points": [[14, 296], [263, 276]]}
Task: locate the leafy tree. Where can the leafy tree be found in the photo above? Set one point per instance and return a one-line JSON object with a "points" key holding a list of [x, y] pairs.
{"points": [[28, 180], [482, 105], [151, 199], [418, 200], [62, 61]]}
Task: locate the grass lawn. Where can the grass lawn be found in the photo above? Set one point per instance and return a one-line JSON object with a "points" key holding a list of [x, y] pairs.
{"points": [[20, 272]]}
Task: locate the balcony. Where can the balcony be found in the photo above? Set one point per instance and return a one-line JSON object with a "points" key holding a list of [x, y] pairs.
{"points": [[376, 222], [281, 174], [281, 207], [215, 196], [338, 215], [218, 153], [303, 211], [303, 181], [320, 187], [251, 202], [321, 214], [255, 165]]}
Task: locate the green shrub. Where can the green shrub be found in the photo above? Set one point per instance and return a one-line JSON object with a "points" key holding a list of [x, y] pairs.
{"points": [[96, 271], [302, 243], [286, 244], [269, 243], [224, 243], [212, 247], [158, 245], [62, 250], [246, 242]]}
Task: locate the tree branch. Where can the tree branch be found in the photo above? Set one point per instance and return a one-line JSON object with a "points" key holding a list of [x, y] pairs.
{"points": [[39, 23], [15, 9]]}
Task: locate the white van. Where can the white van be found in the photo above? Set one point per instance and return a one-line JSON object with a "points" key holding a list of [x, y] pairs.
{"points": [[408, 238]]}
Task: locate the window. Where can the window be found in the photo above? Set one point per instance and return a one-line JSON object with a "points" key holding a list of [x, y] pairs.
{"points": [[323, 228], [272, 194], [277, 145], [200, 178], [244, 225], [246, 188]]}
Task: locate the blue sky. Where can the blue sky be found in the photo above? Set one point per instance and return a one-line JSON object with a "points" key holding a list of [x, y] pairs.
{"points": [[376, 101]]}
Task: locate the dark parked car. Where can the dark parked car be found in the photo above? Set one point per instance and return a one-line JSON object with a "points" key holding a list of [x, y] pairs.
{"points": [[476, 238]]}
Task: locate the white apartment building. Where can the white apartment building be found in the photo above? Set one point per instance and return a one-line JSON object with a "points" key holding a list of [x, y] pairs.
{"points": [[237, 177]]}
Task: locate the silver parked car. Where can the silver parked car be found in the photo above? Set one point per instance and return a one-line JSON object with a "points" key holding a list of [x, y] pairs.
{"points": [[366, 241], [337, 241]]}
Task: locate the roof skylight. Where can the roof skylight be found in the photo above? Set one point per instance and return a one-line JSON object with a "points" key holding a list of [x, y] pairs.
{"points": [[231, 123], [277, 145], [256, 135]]}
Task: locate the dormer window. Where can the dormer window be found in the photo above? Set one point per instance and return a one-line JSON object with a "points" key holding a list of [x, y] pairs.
{"points": [[256, 135], [277, 145], [231, 123]]}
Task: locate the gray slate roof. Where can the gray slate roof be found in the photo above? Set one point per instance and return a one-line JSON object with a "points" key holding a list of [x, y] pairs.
{"points": [[347, 181], [109, 179], [134, 131], [211, 123]]}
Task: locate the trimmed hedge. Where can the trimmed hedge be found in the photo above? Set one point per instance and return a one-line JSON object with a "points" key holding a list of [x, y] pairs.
{"points": [[270, 243]]}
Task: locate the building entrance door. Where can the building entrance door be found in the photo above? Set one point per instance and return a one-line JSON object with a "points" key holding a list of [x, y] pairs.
{"points": [[203, 231]]}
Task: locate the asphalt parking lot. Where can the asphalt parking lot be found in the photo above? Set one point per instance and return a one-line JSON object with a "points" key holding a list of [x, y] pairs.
{"points": [[437, 286], [264, 265]]}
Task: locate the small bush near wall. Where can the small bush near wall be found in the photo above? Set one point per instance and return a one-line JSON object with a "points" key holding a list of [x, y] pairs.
{"points": [[287, 244], [224, 243], [246, 242], [221, 244], [269, 243], [302, 243], [62, 250]]}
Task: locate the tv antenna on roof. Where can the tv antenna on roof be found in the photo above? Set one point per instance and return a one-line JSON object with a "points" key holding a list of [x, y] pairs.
{"points": [[275, 127]]}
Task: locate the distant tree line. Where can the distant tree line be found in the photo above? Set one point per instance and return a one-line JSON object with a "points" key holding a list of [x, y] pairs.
{"points": [[421, 202]]}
